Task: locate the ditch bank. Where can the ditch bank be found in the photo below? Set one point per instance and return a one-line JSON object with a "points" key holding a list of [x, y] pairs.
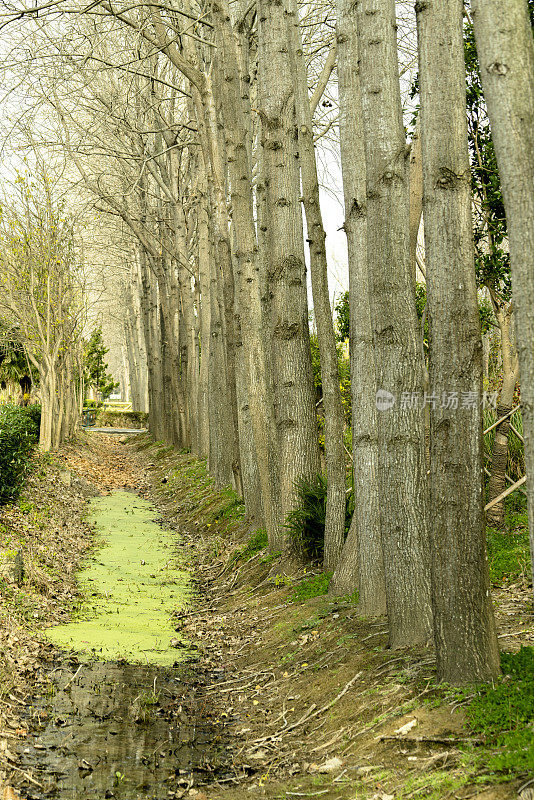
{"points": [[285, 692]]}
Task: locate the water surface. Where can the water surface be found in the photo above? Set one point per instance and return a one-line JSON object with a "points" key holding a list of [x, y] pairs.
{"points": [[132, 586]]}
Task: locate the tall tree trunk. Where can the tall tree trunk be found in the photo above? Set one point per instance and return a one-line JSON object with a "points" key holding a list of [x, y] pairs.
{"points": [[361, 564], [334, 535], [286, 270], [204, 261], [247, 279], [510, 374], [401, 467], [464, 628], [506, 56]]}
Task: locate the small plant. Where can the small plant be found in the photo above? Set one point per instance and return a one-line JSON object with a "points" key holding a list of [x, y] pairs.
{"points": [[119, 777], [257, 542], [312, 587], [504, 715], [306, 523]]}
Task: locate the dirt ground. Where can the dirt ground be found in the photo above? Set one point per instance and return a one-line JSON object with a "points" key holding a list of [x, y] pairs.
{"points": [[312, 701]]}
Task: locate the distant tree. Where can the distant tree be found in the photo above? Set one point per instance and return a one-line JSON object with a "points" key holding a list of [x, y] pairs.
{"points": [[342, 317], [96, 367]]}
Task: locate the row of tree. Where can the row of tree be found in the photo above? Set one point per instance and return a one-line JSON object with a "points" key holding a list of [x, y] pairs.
{"points": [[195, 127]]}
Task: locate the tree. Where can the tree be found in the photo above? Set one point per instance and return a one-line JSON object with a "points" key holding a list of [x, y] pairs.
{"points": [[95, 365], [506, 54], [401, 468], [41, 295], [464, 628], [334, 536], [492, 261], [361, 565]]}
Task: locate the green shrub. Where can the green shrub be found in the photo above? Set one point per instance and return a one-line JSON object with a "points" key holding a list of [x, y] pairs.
{"points": [[19, 433], [504, 715], [34, 413], [306, 522]]}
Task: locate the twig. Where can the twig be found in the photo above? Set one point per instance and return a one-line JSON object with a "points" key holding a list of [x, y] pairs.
{"points": [[27, 776], [436, 739], [72, 678]]}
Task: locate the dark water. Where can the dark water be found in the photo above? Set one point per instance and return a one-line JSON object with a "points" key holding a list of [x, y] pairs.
{"points": [[118, 730]]}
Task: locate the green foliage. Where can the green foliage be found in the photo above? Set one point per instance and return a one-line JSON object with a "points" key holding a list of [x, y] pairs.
{"points": [[95, 365], [306, 523], [508, 553], [343, 367], [504, 714], [33, 411], [312, 587], [234, 508], [14, 366], [92, 404], [257, 542], [342, 321], [19, 434]]}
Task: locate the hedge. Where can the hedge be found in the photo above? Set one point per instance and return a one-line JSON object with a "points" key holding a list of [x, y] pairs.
{"points": [[19, 434]]}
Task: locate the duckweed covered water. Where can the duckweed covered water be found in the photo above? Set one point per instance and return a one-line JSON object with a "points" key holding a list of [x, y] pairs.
{"points": [[131, 587]]}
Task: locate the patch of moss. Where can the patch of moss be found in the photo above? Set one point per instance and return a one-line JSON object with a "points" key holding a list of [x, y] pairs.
{"points": [[130, 587]]}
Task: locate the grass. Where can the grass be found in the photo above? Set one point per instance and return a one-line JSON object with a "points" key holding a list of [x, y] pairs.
{"points": [[508, 549], [257, 542], [233, 509], [501, 717], [312, 587]]}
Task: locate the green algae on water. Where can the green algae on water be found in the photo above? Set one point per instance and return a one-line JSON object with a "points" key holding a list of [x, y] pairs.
{"points": [[130, 588]]}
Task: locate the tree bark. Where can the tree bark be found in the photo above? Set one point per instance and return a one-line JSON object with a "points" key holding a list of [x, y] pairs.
{"points": [[510, 369], [361, 564], [464, 628], [247, 280], [401, 467], [334, 535], [506, 56], [286, 270]]}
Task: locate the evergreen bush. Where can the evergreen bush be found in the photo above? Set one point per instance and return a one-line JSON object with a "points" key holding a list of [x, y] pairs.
{"points": [[19, 433], [306, 522]]}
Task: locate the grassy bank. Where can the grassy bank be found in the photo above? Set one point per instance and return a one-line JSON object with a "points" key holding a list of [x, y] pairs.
{"points": [[318, 704]]}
